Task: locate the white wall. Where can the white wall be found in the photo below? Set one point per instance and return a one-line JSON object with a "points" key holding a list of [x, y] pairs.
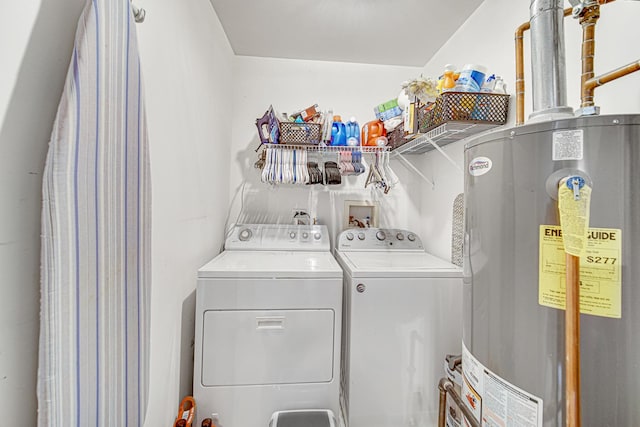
{"points": [[187, 65], [290, 85], [36, 40], [187, 68], [487, 37]]}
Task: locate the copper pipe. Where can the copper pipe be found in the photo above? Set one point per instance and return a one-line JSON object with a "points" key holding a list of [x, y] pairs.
{"points": [[446, 387], [442, 406], [595, 82], [588, 20], [588, 81], [520, 86], [572, 342], [520, 72]]}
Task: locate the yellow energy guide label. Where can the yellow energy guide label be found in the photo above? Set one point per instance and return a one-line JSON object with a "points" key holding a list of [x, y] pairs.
{"points": [[600, 271]]}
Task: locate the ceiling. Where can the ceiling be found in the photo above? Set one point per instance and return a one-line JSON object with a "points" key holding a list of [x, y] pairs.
{"points": [[394, 32]]}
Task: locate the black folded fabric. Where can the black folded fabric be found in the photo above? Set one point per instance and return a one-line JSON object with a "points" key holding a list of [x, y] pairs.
{"points": [[332, 173]]}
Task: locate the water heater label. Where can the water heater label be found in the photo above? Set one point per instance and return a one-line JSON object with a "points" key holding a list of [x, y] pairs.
{"points": [[480, 166], [600, 271], [568, 144], [493, 400]]}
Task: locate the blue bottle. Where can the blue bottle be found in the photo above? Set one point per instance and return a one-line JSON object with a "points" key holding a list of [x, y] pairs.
{"points": [[338, 132], [353, 132]]}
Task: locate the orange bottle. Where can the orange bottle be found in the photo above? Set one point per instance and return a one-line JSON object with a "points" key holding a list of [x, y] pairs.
{"points": [[372, 131], [449, 82]]}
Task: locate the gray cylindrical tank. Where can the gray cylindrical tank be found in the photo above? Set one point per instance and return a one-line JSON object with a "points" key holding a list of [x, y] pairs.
{"points": [[505, 327]]}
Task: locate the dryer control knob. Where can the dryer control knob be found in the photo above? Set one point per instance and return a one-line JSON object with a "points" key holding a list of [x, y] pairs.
{"points": [[305, 235], [411, 237], [349, 236], [400, 236], [380, 235], [317, 236], [360, 236], [245, 235], [292, 234]]}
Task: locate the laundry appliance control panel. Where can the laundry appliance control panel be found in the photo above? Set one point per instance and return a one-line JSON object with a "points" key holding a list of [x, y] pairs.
{"points": [[362, 239], [278, 237]]}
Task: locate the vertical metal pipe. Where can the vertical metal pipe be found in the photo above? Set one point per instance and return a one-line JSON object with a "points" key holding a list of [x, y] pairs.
{"points": [[446, 386], [572, 342], [442, 405], [520, 72], [549, 81], [588, 21]]}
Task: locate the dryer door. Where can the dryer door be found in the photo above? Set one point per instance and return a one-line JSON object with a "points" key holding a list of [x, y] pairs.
{"points": [[260, 347]]}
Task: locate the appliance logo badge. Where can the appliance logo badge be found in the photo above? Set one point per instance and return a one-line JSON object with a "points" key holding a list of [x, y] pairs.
{"points": [[480, 166]]}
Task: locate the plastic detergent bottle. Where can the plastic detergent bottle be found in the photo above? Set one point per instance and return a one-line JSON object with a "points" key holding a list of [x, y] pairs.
{"points": [[448, 83], [500, 86], [338, 132], [353, 132], [371, 131], [471, 78], [489, 84]]}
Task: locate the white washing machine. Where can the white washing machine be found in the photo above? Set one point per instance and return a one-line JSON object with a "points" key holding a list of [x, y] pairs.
{"points": [[268, 322], [402, 315]]}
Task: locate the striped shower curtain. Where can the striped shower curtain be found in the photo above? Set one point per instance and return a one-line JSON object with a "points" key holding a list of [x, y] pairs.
{"points": [[95, 272]]}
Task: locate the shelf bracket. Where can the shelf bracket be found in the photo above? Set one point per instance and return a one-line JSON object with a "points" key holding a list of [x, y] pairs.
{"points": [[445, 155], [416, 170]]}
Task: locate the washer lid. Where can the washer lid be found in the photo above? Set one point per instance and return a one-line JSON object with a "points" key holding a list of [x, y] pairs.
{"points": [[272, 264], [397, 264]]}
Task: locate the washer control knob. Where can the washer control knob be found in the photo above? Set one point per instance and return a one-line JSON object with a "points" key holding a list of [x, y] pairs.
{"points": [[411, 237], [245, 234], [292, 234], [361, 236], [305, 235], [349, 236], [360, 287], [317, 236], [400, 236], [380, 235]]}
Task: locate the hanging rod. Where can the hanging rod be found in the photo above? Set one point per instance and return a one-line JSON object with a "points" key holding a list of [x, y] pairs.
{"points": [[138, 13]]}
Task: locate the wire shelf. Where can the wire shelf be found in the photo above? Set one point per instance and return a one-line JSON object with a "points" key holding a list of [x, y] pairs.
{"points": [[454, 116], [442, 135], [328, 148]]}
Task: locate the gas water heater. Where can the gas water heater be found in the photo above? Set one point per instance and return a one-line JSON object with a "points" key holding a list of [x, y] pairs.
{"points": [[514, 292]]}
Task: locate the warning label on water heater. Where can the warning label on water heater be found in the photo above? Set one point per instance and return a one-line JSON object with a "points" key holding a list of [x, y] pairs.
{"points": [[600, 271], [568, 145], [493, 401]]}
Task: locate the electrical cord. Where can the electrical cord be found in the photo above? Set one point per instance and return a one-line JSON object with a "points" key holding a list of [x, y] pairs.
{"points": [[228, 229]]}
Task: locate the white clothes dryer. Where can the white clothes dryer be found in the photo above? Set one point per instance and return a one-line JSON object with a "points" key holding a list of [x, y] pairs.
{"points": [[402, 316], [268, 322]]}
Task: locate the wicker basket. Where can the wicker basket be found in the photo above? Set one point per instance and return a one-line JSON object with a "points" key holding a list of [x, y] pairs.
{"points": [[474, 107], [299, 133], [396, 137], [273, 131], [424, 116]]}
